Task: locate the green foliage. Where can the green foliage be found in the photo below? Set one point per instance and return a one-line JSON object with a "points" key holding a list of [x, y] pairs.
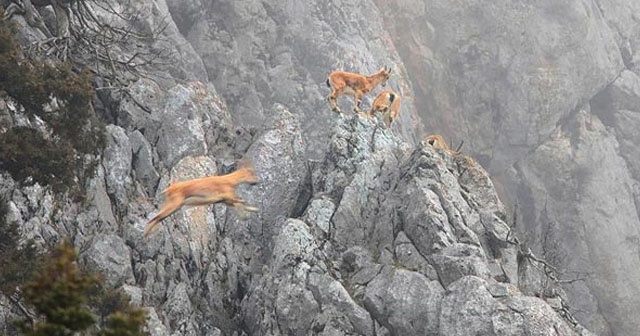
{"points": [[68, 299], [116, 313], [130, 323], [107, 301], [17, 262], [59, 294], [62, 99], [24, 153]]}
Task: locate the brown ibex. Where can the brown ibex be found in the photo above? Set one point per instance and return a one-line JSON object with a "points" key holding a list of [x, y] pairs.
{"points": [[437, 141], [342, 82], [387, 102], [204, 191]]}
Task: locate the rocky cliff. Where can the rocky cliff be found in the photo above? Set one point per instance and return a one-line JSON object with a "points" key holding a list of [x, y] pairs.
{"points": [[377, 238], [364, 230], [546, 94]]}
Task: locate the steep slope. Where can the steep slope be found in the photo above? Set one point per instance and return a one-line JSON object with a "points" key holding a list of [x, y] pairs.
{"points": [[529, 86], [379, 237], [548, 102], [396, 240], [262, 52]]}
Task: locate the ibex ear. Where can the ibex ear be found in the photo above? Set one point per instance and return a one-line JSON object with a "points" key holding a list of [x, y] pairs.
{"points": [[388, 71]]}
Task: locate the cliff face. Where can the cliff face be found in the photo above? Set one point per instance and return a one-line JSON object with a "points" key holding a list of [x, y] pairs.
{"points": [[378, 238], [377, 234], [258, 53], [546, 96]]}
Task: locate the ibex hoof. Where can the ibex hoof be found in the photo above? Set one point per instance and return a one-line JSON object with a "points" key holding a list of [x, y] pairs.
{"points": [[251, 209], [243, 211]]}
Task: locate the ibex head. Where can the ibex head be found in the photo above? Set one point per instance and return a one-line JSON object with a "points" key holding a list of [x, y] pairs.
{"points": [[437, 141], [246, 173], [384, 73]]}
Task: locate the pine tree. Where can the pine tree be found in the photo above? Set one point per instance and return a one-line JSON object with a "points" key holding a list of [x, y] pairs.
{"points": [[63, 297], [17, 261], [58, 294], [125, 324]]}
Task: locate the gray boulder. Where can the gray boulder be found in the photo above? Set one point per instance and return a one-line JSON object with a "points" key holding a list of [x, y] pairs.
{"points": [[109, 255], [277, 156], [469, 308], [117, 164], [405, 302]]}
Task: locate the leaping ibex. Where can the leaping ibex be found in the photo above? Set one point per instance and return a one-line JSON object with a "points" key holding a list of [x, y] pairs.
{"points": [[204, 191]]}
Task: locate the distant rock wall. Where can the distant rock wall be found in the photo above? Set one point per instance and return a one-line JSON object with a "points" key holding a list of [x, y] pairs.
{"points": [[545, 96], [258, 53]]}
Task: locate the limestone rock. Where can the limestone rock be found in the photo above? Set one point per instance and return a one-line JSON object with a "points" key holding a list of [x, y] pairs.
{"points": [[117, 164], [111, 257], [405, 302]]}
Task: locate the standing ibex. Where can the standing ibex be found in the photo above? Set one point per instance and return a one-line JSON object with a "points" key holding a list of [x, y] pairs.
{"points": [[387, 102], [204, 191], [342, 82]]}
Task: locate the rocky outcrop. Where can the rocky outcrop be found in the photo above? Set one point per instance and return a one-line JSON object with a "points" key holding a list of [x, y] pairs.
{"points": [[508, 79], [362, 280]]}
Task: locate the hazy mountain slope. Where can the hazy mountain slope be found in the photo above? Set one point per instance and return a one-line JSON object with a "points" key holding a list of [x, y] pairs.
{"points": [[529, 86], [260, 52]]}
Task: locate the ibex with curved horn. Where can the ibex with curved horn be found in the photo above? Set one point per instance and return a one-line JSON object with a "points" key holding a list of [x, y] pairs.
{"points": [[437, 141]]}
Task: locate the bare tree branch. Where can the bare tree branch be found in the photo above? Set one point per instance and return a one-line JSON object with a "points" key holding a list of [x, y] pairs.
{"points": [[16, 300], [94, 33]]}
